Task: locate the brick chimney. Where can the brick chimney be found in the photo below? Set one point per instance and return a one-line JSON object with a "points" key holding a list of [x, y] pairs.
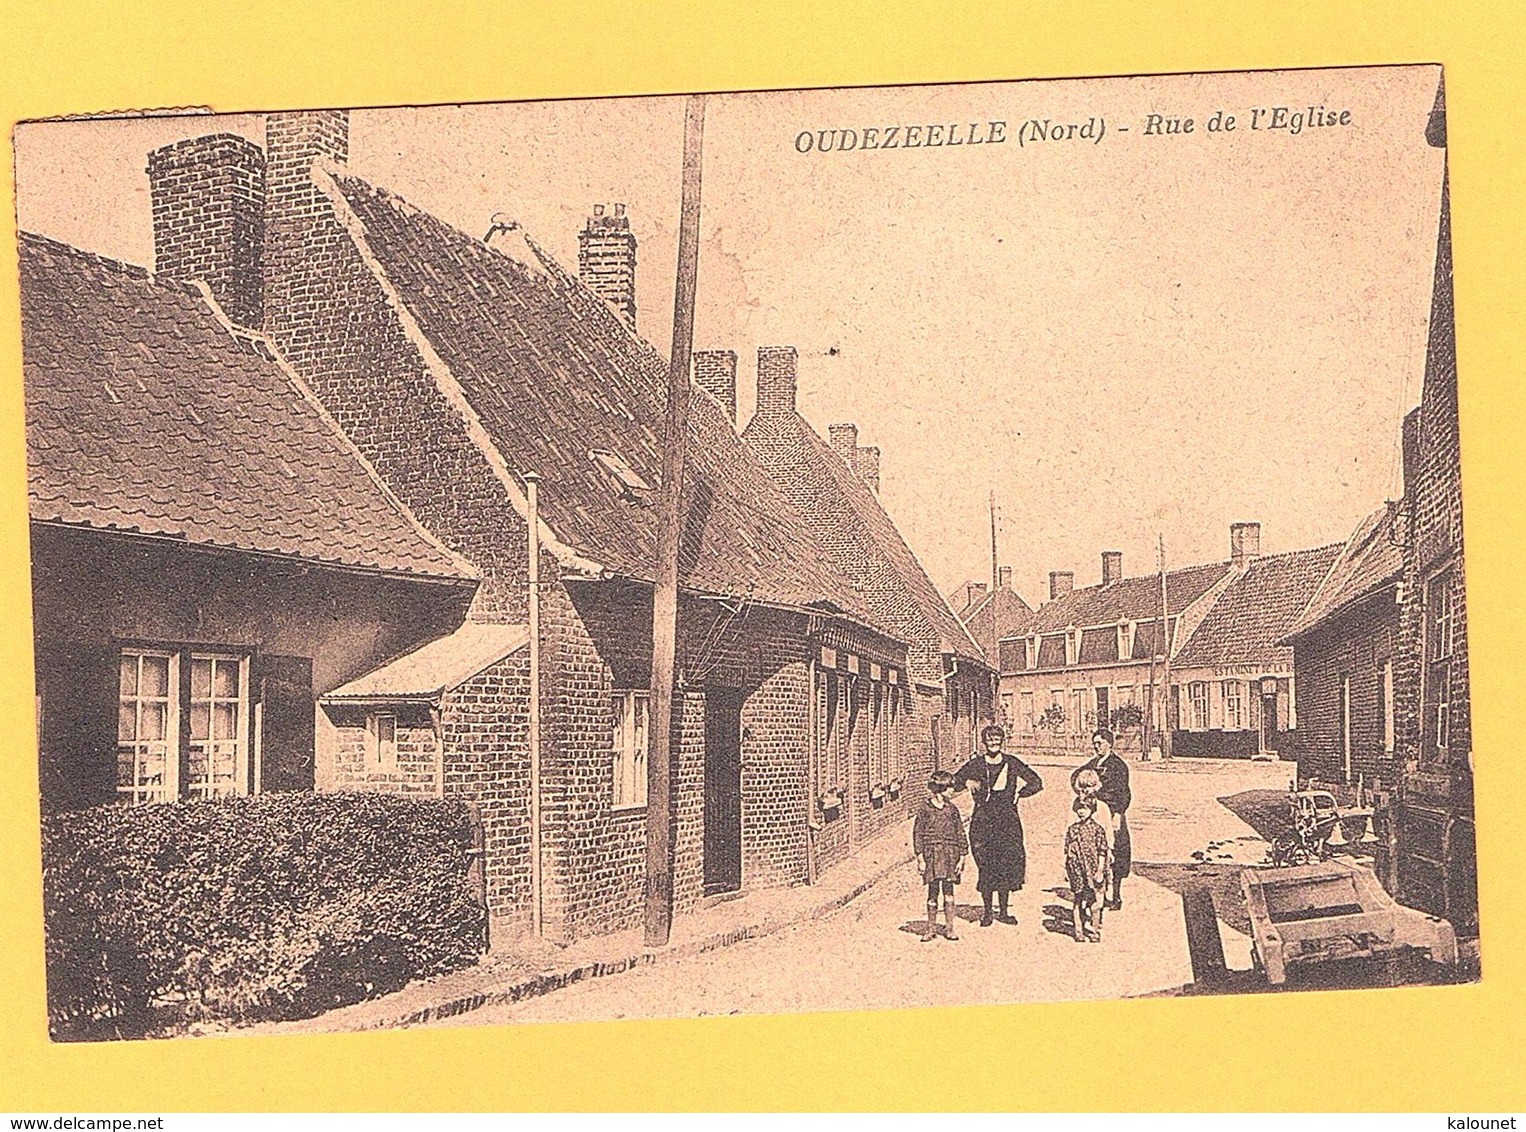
{"points": [[866, 461], [607, 259], [303, 238], [973, 592], [844, 440], [1060, 582], [776, 380], [208, 200], [1004, 577], [715, 371], [1410, 447], [1112, 567], [1244, 543]]}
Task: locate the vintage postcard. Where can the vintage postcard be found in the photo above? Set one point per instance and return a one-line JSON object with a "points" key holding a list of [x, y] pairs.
{"points": [[746, 553]]}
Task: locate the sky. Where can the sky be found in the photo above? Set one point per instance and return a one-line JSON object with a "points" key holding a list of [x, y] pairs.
{"points": [[1124, 338]]}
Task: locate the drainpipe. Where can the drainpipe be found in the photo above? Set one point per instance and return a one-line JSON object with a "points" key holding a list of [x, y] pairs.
{"points": [[812, 773], [532, 492]]}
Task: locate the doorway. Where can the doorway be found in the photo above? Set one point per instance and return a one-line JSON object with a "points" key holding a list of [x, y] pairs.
{"points": [[723, 791]]}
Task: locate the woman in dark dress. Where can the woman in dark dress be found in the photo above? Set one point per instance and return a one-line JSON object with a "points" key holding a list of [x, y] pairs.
{"points": [[996, 781]]}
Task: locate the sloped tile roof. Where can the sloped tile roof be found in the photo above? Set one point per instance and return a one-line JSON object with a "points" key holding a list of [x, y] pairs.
{"points": [[145, 414], [555, 375], [1131, 599], [861, 538], [1254, 613], [1369, 561], [438, 666]]}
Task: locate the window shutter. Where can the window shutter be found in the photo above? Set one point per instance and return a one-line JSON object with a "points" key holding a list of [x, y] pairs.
{"points": [[285, 688], [78, 745]]}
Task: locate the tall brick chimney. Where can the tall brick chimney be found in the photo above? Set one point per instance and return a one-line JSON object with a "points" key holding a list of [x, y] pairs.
{"points": [[303, 239], [973, 592], [866, 461], [1410, 449], [1060, 582], [715, 371], [1244, 543], [607, 259], [1004, 577], [844, 440], [208, 200], [1112, 567], [776, 380]]}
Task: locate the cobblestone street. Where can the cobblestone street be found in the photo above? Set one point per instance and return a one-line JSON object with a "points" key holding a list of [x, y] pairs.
{"points": [[868, 955]]}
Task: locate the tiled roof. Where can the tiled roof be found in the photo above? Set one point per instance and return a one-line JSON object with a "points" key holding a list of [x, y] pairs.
{"points": [[861, 538], [1369, 561], [555, 376], [1131, 599], [438, 666], [145, 414], [1254, 613]]}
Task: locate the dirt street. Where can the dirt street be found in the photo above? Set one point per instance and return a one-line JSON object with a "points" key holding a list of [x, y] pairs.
{"points": [[868, 955]]}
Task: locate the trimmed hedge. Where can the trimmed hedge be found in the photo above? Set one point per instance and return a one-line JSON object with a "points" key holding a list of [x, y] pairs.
{"points": [[276, 906]]}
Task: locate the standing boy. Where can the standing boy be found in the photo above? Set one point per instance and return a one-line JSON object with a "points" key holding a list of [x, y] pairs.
{"points": [[937, 838]]}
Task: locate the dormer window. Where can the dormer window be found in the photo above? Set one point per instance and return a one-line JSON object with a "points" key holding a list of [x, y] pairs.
{"points": [[627, 481], [1072, 645], [1125, 640]]}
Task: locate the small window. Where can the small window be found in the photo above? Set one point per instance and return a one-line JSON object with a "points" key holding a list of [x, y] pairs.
{"points": [[1028, 718], [1234, 706], [1197, 690], [630, 720], [383, 734]]}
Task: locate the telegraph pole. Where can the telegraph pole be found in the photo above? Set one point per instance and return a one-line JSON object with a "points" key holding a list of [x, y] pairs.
{"points": [[995, 570], [1165, 638], [659, 764]]}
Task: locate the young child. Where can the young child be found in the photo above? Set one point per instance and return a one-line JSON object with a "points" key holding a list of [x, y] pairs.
{"points": [[1086, 869], [938, 840]]}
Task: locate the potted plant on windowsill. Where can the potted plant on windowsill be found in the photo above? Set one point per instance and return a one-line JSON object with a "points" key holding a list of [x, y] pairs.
{"points": [[877, 795], [830, 802]]}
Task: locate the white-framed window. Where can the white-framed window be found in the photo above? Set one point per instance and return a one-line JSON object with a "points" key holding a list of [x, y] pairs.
{"points": [[1197, 691], [1006, 711], [1440, 637], [381, 736], [148, 727], [630, 712], [1234, 706], [153, 698], [1078, 711], [1028, 719]]}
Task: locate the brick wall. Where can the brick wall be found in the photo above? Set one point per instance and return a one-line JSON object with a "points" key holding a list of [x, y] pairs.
{"points": [[484, 737], [1353, 645], [208, 196], [353, 755]]}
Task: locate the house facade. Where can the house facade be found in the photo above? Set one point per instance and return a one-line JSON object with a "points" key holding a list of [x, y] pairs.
{"points": [[210, 554], [500, 397], [1344, 646], [1435, 864], [1092, 652], [1233, 688], [948, 694]]}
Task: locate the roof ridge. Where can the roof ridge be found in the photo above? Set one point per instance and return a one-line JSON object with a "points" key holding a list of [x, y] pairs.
{"points": [[136, 271]]}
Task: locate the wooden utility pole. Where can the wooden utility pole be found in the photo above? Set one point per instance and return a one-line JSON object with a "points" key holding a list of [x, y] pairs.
{"points": [[659, 764], [1165, 652], [995, 570]]}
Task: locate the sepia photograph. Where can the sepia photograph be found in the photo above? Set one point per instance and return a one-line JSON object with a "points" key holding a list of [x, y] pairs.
{"points": [[769, 552]]}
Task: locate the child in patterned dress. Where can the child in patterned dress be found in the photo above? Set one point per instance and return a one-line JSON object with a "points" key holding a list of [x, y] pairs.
{"points": [[1086, 870]]}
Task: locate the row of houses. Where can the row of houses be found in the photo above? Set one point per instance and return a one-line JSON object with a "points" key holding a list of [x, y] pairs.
{"points": [[283, 494], [1097, 656]]}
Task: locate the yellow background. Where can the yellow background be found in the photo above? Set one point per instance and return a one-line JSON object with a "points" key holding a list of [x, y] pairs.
{"points": [[1447, 1048]]}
